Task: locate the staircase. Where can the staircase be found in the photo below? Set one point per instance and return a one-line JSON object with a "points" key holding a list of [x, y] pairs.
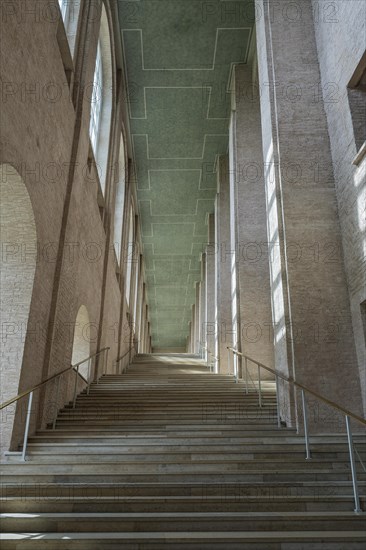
{"points": [[170, 456]]}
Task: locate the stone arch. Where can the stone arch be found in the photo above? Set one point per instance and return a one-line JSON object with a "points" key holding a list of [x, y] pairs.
{"points": [[18, 265], [81, 347]]}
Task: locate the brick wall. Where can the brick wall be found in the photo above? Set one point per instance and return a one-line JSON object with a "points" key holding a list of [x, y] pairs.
{"points": [[340, 37], [45, 135]]}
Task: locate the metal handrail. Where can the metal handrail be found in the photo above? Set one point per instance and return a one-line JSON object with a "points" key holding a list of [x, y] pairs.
{"points": [[57, 376], [304, 389], [209, 353], [124, 355], [44, 382], [211, 359]]}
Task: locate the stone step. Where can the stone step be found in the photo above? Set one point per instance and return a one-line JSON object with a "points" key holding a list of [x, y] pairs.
{"points": [[101, 398], [184, 379], [224, 490], [167, 454], [186, 436], [277, 446], [265, 465], [159, 417], [175, 378], [147, 462], [217, 540], [186, 389], [45, 501], [173, 521], [90, 473], [127, 426], [173, 456], [124, 455], [276, 438], [214, 407], [208, 407]]}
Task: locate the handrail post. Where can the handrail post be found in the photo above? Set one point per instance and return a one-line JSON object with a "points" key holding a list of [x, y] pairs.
{"points": [[105, 361], [278, 403], [75, 387], [228, 361], [56, 407], [246, 376], [26, 429], [259, 387], [356, 496], [306, 434], [97, 367], [89, 374]]}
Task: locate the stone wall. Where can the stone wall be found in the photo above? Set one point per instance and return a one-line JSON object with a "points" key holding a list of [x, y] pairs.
{"points": [[340, 38], [313, 331], [45, 116]]}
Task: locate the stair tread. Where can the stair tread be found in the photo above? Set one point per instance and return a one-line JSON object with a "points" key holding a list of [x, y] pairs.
{"points": [[191, 535], [161, 443]]}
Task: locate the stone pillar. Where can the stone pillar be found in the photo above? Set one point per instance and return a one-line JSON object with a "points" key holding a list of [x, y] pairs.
{"points": [[231, 254], [312, 323], [249, 216], [141, 314], [145, 330], [211, 321], [193, 328], [188, 347], [148, 342], [223, 265], [203, 304], [197, 342]]}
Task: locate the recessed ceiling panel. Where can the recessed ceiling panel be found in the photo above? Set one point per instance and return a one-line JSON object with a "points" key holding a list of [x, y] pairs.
{"points": [[179, 57]]}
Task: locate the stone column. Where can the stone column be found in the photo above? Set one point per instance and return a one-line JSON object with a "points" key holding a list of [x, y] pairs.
{"points": [[231, 253], [312, 323], [147, 343], [203, 304], [223, 265], [146, 331], [188, 347], [211, 321], [193, 329], [255, 316], [141, 314], [197, 342]]}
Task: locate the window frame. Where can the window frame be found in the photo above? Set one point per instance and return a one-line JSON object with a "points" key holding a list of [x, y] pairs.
{"points": [[96, 102]]}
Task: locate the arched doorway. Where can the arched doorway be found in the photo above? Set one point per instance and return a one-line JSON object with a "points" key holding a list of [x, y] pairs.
{"points": [[18, 265]]}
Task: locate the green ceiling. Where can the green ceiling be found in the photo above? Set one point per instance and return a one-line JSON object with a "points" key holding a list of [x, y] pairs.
{"points": [[179, 56]]}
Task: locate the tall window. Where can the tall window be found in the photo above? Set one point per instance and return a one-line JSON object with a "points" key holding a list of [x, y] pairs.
{"points": [[357, 103], [96, 101], [120, 201], [363, 317], [136, 295], [70, 10], [129, 258], [102, 100], [64, 5]]}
